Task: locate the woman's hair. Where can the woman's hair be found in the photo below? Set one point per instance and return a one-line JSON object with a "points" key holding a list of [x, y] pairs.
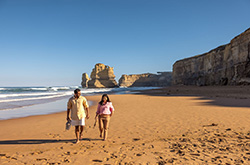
{"points": [[108, 100]]}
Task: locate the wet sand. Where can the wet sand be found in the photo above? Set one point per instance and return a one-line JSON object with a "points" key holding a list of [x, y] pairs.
{"points": [[150, 128]]}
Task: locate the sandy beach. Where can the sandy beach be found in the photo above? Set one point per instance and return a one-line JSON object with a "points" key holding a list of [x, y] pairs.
{"points": [[157, 127]]}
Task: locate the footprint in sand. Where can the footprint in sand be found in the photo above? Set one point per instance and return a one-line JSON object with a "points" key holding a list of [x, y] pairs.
{"points": [[106, 159], [66, 160], [136, 139], [2, 155], [113, 156], [36, 153], [54, 135], [211, 125], [67, 153], [41, 159], [97, 160], [139, 154]]}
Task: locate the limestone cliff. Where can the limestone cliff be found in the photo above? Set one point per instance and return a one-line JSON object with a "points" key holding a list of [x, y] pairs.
{"points": [[226, 65], [102, 76], [85, 80], [146, 80]]}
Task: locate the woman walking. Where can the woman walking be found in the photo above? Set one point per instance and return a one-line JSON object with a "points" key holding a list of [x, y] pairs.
{"points": [[104, 111]]}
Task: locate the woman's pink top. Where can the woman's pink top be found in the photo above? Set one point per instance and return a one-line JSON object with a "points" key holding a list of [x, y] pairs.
{"points": [[105, 109]]}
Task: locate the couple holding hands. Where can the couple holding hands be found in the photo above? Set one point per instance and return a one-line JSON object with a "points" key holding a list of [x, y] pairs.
{"points": [[79, 108]]}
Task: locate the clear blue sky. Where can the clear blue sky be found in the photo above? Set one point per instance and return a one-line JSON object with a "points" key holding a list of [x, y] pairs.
{"points": [[52, 42]]}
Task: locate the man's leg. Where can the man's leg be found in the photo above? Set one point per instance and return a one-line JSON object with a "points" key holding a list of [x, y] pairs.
{"points": [[81, 130], [77, 133], [100, 125]]}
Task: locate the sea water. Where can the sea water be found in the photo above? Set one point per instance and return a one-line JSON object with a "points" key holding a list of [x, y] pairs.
{"points": [[18, 102]]}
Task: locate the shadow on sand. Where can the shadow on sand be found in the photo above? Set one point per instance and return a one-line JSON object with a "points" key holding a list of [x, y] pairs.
{"points": [[43, 141], [225, 102], [213, 97]]}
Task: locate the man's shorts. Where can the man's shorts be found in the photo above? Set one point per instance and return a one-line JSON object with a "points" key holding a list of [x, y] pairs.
{"points": [[78, 122]]}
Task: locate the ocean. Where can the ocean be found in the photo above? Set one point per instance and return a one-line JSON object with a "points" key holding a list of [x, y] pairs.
{"points": [[18, 102]]}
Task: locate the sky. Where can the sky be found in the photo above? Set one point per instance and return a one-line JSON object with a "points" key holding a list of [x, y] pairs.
{"points": [[52, 42]]}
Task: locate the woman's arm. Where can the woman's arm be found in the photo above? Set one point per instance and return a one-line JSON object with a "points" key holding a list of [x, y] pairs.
{"points": [[98, 110], [112, 112], [111, 108]]}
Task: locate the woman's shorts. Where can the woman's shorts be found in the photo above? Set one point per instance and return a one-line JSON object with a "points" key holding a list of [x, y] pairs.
{"points": [[78, 122]]}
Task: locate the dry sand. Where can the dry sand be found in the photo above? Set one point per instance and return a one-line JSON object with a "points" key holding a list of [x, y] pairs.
{"points": [[145, 129]]}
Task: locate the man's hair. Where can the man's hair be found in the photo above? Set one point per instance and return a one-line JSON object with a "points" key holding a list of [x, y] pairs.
{"points": [[76, 90]]}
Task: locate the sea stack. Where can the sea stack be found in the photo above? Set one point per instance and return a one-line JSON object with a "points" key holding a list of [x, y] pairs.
{"points": [[85, 80], [102, 76]]}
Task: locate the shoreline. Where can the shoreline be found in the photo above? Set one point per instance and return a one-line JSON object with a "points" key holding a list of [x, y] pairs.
{"points": [[51, 107], [146, 128], [16, 108], [218, 94]]}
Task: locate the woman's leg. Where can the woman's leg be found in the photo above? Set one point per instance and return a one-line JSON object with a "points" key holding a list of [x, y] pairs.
{"points": [[100, 125], [106, 127]]}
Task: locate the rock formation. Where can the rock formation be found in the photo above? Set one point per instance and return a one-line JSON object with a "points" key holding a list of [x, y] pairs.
{"points": [[226, 65], [102, 76], [85, 80], [146, 80]]}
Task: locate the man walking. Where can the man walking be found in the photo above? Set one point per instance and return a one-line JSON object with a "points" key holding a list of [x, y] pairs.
{"points": [[79, 108]]}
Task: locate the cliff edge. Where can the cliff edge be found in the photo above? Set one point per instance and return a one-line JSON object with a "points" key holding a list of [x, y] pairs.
{"points": [[226, 65]]}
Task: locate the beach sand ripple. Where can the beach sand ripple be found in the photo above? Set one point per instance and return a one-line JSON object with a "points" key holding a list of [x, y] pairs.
{"points": [[148, 130]]}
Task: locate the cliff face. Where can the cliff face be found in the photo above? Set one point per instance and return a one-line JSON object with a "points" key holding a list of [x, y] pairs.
{"points": [[145, 80], [226, 65], [85, 80], [128, 80], [102, 76]]}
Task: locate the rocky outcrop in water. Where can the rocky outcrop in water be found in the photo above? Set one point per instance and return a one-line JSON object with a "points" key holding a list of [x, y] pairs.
{"points": [[85, 80], [102, 76], [145, 80], [226, 65]]}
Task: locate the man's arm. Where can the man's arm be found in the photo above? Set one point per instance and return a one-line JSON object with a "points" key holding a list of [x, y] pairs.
{"points": [[69, 106], [86, 107], [87, 111], [68, 111]]}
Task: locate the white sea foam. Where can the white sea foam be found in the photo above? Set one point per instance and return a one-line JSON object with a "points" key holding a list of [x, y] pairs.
{"points": [[37, 98], [39, 89], [59, 88], [26, 94], [93, 90], [46, 95], [74, 87], [16, 97]]}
